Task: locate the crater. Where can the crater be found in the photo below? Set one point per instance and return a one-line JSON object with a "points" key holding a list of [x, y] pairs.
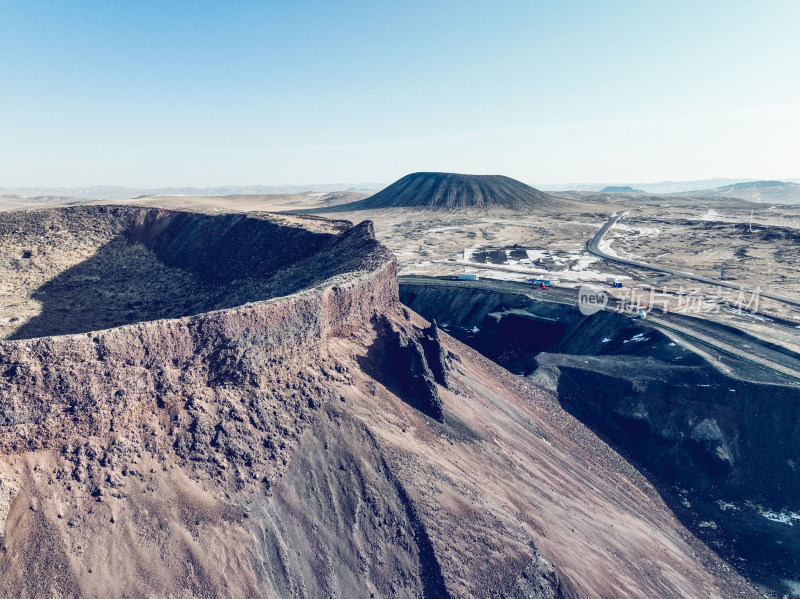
{"points": [[87, 268]]}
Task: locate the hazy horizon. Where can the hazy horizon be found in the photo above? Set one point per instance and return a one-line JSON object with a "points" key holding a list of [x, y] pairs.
{"points": [[192, 94], [121, 191]]}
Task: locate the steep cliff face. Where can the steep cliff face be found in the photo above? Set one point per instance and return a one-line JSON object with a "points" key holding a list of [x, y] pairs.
{"points": [[324, 442], [683, 418]]}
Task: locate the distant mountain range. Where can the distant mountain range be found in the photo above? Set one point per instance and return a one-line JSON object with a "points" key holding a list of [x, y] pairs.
{"points": [[757, 185], [113, 192], [660, 187], [784, 191], [773, 192]]}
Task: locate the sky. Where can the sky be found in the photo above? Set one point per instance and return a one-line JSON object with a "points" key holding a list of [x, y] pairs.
{"points": [[195, 93]]}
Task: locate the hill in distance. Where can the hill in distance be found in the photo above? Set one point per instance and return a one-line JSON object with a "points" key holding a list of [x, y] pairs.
{"points": [[774, 192], [756, 185], [454, 192], [621, 189], [657, 187]]}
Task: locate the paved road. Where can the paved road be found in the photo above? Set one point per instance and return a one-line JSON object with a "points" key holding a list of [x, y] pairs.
{"points": [[593, 247], [561, 296]]}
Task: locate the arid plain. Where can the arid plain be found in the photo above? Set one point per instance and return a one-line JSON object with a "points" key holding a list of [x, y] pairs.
{"points": [[695, 492]]}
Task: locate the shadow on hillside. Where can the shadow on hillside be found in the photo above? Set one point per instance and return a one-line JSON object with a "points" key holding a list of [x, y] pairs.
{"points": [[120, 284], [124, 282], [192, 264]]}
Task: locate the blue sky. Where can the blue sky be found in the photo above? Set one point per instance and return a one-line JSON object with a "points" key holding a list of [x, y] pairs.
{"points": [[237, 93]]}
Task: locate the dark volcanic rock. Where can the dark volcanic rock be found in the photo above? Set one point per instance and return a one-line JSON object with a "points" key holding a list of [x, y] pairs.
{"points": [[660, 401], [451, 191], [728, 442], [710, 447], [420, 381], [435, 354], [400, 361]]}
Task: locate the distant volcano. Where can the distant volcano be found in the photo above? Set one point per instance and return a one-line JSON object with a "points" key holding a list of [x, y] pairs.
{"points": [[621, 189], [451, 191]]}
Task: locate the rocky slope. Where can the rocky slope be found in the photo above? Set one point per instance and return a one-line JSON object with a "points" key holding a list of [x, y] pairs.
{"points": [[721, 446], [325, 442]]}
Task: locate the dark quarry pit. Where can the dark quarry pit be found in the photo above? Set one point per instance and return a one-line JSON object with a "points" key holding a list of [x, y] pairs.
{"points": [[723, 450]]}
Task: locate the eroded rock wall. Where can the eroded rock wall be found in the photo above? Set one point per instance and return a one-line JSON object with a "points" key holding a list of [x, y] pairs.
{"points": [[258, 364]]}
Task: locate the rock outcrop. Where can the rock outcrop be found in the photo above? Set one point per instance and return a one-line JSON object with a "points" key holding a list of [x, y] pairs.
{"points": [[436, 355], [411, 365]]}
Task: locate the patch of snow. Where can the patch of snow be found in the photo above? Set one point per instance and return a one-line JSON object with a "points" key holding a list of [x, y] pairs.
{"points": [[475, 329], [781, 517], [605, 340], [525, 270], [793, 586], [637, 338], [440, 229], [749, 314], [605, 247], [584, 261], [637, 230], [534, 255], [647, 231]]}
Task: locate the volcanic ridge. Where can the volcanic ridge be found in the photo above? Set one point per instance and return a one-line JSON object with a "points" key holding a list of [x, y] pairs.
{"points": [[238, 405]]}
